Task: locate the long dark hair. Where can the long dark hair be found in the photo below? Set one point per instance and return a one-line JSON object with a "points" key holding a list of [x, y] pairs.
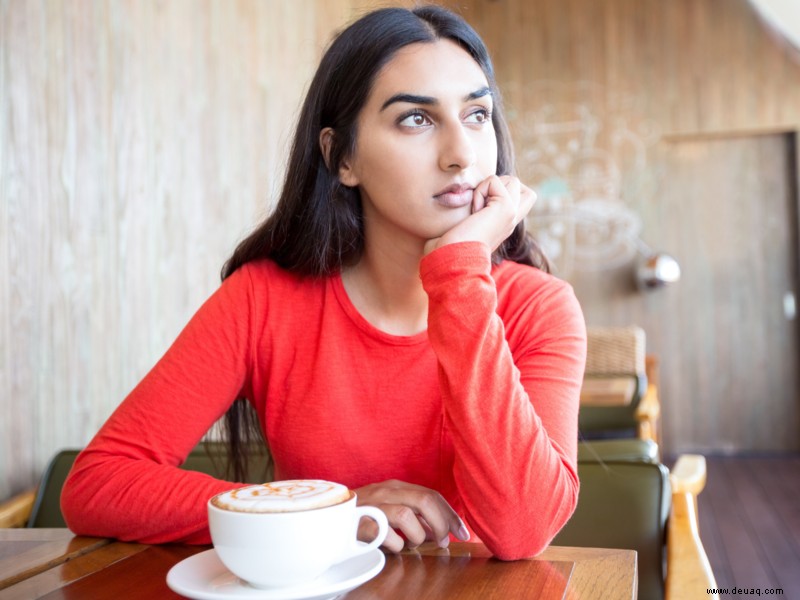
{"points": [[316, 228]]}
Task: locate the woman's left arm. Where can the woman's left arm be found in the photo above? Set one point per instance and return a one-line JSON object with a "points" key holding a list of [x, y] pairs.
{"points": [[511, 409]]}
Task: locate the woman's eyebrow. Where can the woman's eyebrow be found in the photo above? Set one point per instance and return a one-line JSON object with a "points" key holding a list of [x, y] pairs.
{"points": [[480, 93], [430, 100]]}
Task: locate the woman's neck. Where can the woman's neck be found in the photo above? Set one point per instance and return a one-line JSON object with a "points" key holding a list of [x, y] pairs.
{"points": [[385, 288]]}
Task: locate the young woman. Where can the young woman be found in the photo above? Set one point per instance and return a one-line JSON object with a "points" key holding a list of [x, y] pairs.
{"points": [[391, 323]]}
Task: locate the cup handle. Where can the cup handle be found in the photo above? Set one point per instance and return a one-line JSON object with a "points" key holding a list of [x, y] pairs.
{"points": [[377, 515]]}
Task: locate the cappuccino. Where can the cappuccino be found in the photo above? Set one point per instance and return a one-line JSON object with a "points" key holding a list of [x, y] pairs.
{"points": [[289, 532], [283, 496]]}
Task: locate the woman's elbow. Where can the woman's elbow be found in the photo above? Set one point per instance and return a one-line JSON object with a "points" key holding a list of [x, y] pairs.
{"points": [[534, 543], [74, 509], [82, 505], [533, 536]]}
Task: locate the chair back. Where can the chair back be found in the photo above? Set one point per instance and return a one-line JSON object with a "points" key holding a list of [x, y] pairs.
{"points": [[207, 458], [615, 357], [624, 503], [46, 510]]}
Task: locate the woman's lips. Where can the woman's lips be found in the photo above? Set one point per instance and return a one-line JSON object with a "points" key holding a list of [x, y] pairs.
{"points": [[455, 197]]}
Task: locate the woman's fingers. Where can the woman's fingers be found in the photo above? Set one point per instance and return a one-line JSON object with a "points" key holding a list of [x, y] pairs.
{"points": [[512, 186], [499, 203], [491, 189], [521, 197], [478, 199], [404, 519], [527, 199], [367, 530], [416, 512], [501, 212]]}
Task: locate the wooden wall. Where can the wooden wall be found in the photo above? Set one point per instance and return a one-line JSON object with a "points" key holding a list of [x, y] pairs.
{"points": [[698, 67], [702, 84], [140, 140]]}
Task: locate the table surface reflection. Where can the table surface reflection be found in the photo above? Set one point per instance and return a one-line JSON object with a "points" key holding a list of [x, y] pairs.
{"points": [[52, 563]]}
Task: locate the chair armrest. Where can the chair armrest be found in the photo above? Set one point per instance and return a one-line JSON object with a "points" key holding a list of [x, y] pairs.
{"points": [[15, 511], [647, 414], [689, 573], [688, 475], [649, 407], [648, 410]]}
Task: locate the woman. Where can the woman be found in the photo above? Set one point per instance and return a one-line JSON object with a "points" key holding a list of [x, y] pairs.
{"points": [[391, 323]]}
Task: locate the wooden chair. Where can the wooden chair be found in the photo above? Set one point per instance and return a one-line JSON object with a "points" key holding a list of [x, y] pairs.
{"points": [[620, 387], [630, 500], [16, 511], [41, 507]]}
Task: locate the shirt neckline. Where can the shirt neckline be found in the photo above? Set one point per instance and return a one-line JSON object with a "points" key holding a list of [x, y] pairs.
{"points": [[359, 321]]}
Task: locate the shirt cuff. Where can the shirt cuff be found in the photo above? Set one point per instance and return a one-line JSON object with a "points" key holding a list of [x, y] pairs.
{"points": [[452, 259]]}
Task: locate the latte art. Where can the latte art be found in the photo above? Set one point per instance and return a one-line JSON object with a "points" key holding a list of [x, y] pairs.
{"points": [[283, 496]]}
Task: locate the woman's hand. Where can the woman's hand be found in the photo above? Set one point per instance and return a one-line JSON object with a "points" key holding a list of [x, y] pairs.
{"points": [[499, 203], [419, 513]]}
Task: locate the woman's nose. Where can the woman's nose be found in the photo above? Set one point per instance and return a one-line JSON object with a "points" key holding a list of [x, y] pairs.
{"points": [[457, 149]]}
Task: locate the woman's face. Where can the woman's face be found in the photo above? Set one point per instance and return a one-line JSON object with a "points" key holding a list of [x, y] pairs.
{"points": [[425, 139]]}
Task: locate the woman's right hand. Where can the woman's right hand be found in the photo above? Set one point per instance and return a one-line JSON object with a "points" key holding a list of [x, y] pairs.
{"points": [[418, 513], [499, 203]]}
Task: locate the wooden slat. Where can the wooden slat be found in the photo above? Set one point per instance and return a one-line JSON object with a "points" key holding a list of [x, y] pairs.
{"points": [[51, 580], [33, 553], [126, 578]]}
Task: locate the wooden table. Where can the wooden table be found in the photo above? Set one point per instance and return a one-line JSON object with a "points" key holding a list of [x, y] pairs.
{"points": [[52, 563]]}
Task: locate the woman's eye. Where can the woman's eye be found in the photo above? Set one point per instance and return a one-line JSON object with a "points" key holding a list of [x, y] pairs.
{"points": [[415, 120], [481, 115]]}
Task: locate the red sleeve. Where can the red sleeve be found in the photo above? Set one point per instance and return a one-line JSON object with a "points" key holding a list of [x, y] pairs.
{"points": [[512, 415], [126, 484]]}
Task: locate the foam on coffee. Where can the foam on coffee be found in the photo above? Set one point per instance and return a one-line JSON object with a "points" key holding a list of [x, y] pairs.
{"points": [[283, 496]]}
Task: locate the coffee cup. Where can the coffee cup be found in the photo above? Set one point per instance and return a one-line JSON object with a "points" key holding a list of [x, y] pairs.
{"points": [[288, 532]]}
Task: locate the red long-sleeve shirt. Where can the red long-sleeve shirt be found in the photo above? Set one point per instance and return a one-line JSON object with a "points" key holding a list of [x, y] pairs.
{"points": [[481, 407]]}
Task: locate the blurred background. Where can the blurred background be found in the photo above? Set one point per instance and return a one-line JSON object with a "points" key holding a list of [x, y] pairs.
{"points": [[139, 141]]}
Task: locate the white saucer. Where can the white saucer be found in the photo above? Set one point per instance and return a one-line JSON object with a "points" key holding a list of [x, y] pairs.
{"points": [[204, 577]]}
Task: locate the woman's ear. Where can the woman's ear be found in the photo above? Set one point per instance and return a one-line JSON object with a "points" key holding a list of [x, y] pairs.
{"points": [[346, 175], [325, 141]]}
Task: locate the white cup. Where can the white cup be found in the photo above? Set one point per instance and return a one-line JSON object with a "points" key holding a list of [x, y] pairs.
{"points": [[278, 549]]}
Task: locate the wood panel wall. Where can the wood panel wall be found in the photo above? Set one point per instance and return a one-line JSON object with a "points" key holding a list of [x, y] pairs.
{"points": [[140, 140], [685, 71], [698, 67]]}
